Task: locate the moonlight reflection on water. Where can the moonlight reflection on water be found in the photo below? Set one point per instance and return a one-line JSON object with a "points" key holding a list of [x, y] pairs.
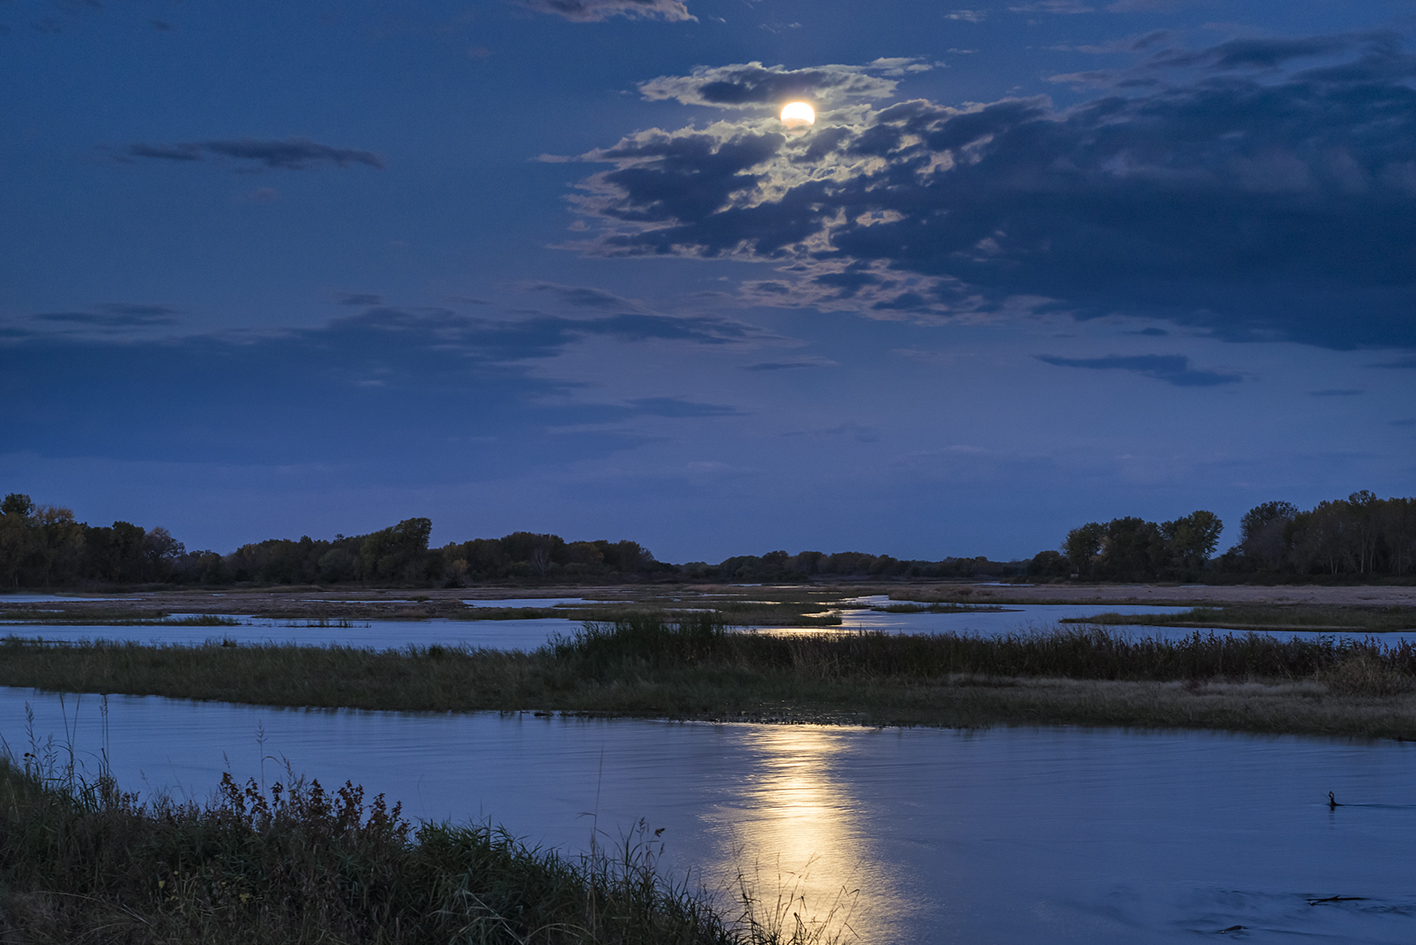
{"points": [[1004, 835]]}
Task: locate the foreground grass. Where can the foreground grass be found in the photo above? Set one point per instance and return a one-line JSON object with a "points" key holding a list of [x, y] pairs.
{"points": [[1272, 617], [695, 670], [292, 864]]}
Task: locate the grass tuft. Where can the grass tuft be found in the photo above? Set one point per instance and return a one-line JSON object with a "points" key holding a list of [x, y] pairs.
{"points": [[293, 864]]}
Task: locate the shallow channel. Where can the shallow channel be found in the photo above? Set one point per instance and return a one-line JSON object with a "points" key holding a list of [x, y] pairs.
{"points": [[1007, 835]]}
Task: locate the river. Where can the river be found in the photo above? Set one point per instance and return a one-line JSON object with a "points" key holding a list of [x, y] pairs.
{"points": [[1006, 835]]}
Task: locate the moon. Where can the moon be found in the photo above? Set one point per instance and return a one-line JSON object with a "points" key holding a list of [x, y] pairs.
{"points": [[798, 116]]}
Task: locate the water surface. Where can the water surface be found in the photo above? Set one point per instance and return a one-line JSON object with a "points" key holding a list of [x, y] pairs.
{"points": [[528, 634], [997, 836]]}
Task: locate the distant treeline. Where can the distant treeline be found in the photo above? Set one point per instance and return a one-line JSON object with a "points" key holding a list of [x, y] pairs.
{"points": [[44, 546], [1133, 549], [1361, 536]]}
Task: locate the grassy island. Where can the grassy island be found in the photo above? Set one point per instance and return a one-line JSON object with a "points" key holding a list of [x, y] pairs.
{"points": [[696, 668]]}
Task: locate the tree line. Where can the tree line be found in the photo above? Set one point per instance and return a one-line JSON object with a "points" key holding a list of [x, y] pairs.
{"points": [[44, 546], [1362, 536]]}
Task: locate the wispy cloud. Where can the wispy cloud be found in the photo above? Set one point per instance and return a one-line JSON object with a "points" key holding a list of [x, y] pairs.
{"points": [[1171, 368], [594, 11], [292, 154], [113, 316], [790, 364]]}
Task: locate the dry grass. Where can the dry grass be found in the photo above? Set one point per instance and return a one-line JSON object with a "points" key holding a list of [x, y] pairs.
{"points": [[294, 865], [696, 670]]}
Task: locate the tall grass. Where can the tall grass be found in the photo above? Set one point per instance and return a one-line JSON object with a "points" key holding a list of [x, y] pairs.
{"points": [[696, 667], [294, 864], [1091, 652], [1379, 619]]}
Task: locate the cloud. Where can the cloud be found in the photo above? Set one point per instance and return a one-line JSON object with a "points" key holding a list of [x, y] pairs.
{"points": [[113, 316], [1336, 392], [968, 16], [582, 296], [358, 298], [1252, 207], [1400, 364], [377, 387], [594, 11], [788, 364], [1053, 6], [677, 407], [856, 431], [1407, 422], [1171, 368], [1261, 53], [753, 85], [292, 154]]}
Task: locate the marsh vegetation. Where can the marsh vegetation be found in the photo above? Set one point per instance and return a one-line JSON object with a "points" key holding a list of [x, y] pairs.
{"points": [[1271, 617], [290, 863], [696, 667]]}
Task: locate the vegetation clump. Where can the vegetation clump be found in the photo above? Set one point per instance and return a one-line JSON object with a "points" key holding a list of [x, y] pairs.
{"points": [[293, 864], [697, 667]]}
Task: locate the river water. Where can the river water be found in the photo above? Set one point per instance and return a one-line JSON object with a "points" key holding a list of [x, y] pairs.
{"points": [[530, 633], [1007, 835]]}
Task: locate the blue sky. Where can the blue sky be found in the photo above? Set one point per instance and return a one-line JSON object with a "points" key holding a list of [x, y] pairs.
{"points": [[273, 269]]}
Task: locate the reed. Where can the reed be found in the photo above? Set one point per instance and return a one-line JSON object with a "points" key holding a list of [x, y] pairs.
{"points": [[698, 668], [1359, 619], [294, 864]]}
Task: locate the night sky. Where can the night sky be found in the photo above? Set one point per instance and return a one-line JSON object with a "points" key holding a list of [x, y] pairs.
{"points": [[271, 269]]}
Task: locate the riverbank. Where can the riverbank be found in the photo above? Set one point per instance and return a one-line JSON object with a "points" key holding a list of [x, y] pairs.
{"points": [[695, 669], [293, 864], [763, 606]]}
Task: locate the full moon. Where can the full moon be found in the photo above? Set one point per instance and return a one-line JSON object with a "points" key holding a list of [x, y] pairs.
{"points": [[798, 116]]}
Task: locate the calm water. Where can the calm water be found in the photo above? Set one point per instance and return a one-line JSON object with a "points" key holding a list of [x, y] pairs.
{"points": [[529, 634], [998, 836], [374, 634]]}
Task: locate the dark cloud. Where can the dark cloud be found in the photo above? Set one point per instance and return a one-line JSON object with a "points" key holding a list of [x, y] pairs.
{"points": [[1259, 53], [582, 296], [292, 154], [788, 364], [1336, 392], [594, 11], [1251, 208], [675, 407], [167, 152], [114, 315], [1150, 332], [1400, 364], [857, 432], [358, 298], [1407, 422], [375, 388], [1171, 368]]}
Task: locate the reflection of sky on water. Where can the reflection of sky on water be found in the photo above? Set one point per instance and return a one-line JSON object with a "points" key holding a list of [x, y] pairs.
{"points": [[1001, 836], [532, 633], [373, 634], [53, 598]]}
